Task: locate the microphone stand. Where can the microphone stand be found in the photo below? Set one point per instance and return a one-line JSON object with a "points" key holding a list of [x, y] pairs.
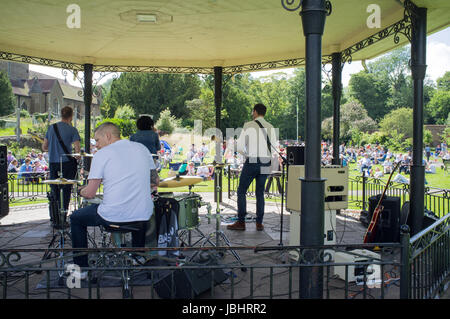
{"points": [[284, 163]]}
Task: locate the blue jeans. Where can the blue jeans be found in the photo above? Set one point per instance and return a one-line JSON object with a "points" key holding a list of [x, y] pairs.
{"points": [[88, 216], [79, 221], [250, 172]]}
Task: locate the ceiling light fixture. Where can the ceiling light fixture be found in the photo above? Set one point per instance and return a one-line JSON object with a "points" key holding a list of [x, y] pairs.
{"points": [[146, 17]]}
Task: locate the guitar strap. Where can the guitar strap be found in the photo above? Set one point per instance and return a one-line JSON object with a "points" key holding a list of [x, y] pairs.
{"points": [[64, 147], [265, 136]]}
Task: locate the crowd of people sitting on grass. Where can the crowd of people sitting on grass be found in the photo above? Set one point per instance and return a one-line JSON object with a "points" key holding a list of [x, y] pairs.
{"points": [[371, 160], [30, 169]]}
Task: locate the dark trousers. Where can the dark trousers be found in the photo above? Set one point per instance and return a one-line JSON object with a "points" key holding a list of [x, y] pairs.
{"points": [[250, 172], [69, 171], [88, 216]]}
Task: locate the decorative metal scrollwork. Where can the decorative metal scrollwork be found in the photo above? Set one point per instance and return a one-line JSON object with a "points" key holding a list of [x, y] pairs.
{"points": [[403, 26], [294, 5], [291, 5], [328, 7], [10, 257]]}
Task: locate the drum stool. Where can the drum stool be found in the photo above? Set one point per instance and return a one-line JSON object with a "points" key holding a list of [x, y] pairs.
{"points": [[122, 259]]}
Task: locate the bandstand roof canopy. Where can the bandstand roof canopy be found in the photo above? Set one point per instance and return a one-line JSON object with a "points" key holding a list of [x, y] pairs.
{"points": [[233, 34]]}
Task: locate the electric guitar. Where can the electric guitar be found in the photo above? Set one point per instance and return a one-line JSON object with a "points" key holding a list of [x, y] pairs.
{"points": [[371, 230]]}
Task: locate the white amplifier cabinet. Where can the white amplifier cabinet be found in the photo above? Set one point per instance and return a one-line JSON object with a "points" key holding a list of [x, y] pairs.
{"points": [[329, 232], [355, 273], [336, 187]]}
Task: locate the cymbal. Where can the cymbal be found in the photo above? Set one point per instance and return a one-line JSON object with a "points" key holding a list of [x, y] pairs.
{"points": [[81, 154], [180, 181], [60, 181]]}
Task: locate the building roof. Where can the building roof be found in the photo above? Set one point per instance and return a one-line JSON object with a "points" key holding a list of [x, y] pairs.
{"points": [[20, 87], [43, 83], [194, 33]]}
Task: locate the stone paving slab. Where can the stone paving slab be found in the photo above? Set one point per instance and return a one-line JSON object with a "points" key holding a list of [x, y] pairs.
{"points": [[30, 228]]}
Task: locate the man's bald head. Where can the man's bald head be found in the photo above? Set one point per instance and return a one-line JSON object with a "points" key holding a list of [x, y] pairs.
{"points": [[108, 127], [105, 134]]}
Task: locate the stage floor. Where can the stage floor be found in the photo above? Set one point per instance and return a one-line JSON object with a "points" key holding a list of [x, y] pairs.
{"points": [[30, 228]]}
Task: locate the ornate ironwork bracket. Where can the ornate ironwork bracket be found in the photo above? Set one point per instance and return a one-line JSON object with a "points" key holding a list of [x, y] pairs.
{"points": [[97, 77], [294, 5], [401, 27]]}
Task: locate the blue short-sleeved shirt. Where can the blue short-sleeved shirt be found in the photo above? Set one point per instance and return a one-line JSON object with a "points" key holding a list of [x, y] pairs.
{"points": [[69, 135], [149, 138]]}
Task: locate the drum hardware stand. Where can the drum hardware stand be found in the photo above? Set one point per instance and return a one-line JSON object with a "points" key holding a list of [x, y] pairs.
{"points": [[218, 233], [60, 235], [190, 229]]}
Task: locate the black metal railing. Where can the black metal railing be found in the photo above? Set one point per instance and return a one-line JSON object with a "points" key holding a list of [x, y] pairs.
{"points": [[361, 188], [20, 277], [429, 260], [273, 187], [27, 187]]}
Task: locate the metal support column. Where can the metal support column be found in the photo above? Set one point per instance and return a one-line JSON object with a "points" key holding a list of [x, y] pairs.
{"points": [[18, 120], [87, 91], [418, 69], [312, 208], [337, 92], [218, 79]]}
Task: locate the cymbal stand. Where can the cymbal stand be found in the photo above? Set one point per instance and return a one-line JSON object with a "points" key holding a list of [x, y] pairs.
{"points": [[219, 234], [59, 233]]}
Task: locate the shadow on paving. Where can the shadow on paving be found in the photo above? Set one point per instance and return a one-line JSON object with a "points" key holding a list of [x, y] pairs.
{"points": [[248, 274]]}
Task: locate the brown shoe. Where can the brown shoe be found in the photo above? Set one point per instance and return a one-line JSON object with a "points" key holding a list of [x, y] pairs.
{"points": [[237, 226], [259, 227]]}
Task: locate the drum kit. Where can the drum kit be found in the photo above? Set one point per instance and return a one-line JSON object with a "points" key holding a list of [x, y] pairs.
{"points": [[188, 217]]}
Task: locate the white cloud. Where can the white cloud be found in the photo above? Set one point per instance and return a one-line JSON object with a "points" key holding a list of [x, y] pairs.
{"points": [[438, 59]]}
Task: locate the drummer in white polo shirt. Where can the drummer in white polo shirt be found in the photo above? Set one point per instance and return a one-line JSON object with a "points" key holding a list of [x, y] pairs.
{"points": [[124, 169]]}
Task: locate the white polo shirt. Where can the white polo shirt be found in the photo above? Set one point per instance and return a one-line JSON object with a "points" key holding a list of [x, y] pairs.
{"points": [[124, 168]]}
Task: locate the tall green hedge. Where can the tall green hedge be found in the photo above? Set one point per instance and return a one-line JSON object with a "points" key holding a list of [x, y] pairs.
{"points": [[127, 127]]}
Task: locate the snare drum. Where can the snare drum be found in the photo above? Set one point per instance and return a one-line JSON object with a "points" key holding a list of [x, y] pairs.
{"points": [[186, 207]]}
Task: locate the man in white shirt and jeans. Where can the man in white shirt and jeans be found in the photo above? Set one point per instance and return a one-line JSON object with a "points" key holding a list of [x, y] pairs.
{"points": [[126, 188], [253, 144]]}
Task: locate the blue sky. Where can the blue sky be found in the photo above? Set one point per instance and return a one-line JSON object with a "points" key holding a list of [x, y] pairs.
{"points": [[438, 61]]}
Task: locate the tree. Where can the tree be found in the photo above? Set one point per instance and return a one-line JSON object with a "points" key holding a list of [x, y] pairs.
{"points": [[203, 109], [439, 106], [150, 93], [167, 123], [400, 120], [354, 120], [125, 112], [296, 98], [392, 66], [272, 91], [372, 92], [443, 83], [6, 95]]}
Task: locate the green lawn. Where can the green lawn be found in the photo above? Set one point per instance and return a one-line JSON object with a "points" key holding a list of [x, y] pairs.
{"points": [[25, 124], [438, 180]]}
